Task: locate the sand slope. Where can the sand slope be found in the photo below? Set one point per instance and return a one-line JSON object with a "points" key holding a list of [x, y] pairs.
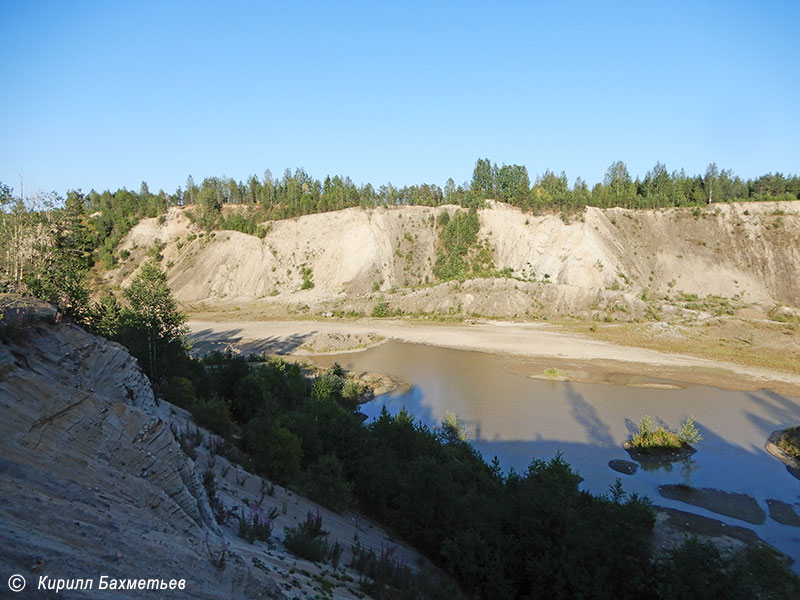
{"points": [[602, 262]]}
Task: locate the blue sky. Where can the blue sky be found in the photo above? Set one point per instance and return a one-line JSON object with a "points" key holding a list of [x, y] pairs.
{"points": [[107, 94]]}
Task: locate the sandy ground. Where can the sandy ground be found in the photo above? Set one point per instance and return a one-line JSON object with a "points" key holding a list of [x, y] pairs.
{"points": [[579, 357]]}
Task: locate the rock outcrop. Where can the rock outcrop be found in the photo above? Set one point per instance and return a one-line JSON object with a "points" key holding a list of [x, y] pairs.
{"points": [[92, 479]]}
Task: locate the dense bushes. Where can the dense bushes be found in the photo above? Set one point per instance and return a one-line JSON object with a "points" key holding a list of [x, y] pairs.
{"points": [[522, 535], [457, 236], [324, 482]]}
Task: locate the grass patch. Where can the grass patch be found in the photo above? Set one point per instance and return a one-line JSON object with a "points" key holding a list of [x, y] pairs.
{"points": [[769, 349], [554, 373]]}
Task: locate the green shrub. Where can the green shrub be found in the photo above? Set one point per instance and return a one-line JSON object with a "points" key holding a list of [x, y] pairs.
{"points": [[790, 441], [275, 450], [688, 433], [214, 414], [381, 309], [649, 440], [307, 540], [180, 391], [325, 387], [754, 572], [457, 237], [307, 276], [154, 251], [351, 393], [255, 527], [388, 577], [106, 258], [325, 483]]}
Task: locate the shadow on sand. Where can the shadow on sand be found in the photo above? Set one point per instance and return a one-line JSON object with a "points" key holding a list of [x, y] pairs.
{"points": [[207, 341]]}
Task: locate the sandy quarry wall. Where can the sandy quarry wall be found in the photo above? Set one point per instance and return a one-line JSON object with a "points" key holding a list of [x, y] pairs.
{"points": [[749, 252]]}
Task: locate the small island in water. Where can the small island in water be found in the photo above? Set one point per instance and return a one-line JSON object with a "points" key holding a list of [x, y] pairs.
{"points": [[662, 444]]}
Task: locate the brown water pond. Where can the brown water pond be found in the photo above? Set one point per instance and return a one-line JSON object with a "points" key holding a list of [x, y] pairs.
{"points": [[514, 414]]}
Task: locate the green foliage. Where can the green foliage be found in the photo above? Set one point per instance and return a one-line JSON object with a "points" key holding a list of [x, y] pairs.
{"points": [[246, 222], [649, 440], [154, 251], [388, 577], [351, 393], [688, 433], [215, 415], [457, 238], [520, 535], [275, 450], [554, 373], [381, 309], [307, 275], [307, 540], [58, 246], [790, 441], [754, 572], [256, 526], [152, 328], [31, 224], [180, 392], [324, 482], [115, 213], [504, 537], [453, 429], [63, 282], [484, 178], [327, 386]]}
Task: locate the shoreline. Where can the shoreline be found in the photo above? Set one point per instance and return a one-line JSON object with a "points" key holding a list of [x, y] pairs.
{"points": [[581, 358]]}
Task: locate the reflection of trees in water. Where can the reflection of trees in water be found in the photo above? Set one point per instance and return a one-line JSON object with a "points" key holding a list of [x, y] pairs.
{"points": [[687, 467], [652, 466]]}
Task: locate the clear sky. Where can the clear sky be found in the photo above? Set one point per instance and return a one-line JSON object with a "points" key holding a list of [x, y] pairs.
{"points": [[108, 94]]}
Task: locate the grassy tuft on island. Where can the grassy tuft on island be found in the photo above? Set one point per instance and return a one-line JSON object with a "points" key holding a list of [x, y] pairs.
{"points": [[661, 440]]}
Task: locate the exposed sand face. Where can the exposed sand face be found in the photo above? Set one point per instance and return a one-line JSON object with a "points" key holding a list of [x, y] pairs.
{"points": [[580, 357], [601, 263]]}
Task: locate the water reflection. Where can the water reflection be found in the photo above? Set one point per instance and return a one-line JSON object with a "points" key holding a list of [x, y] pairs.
{"points": [[685, 467], [517, 418]]}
